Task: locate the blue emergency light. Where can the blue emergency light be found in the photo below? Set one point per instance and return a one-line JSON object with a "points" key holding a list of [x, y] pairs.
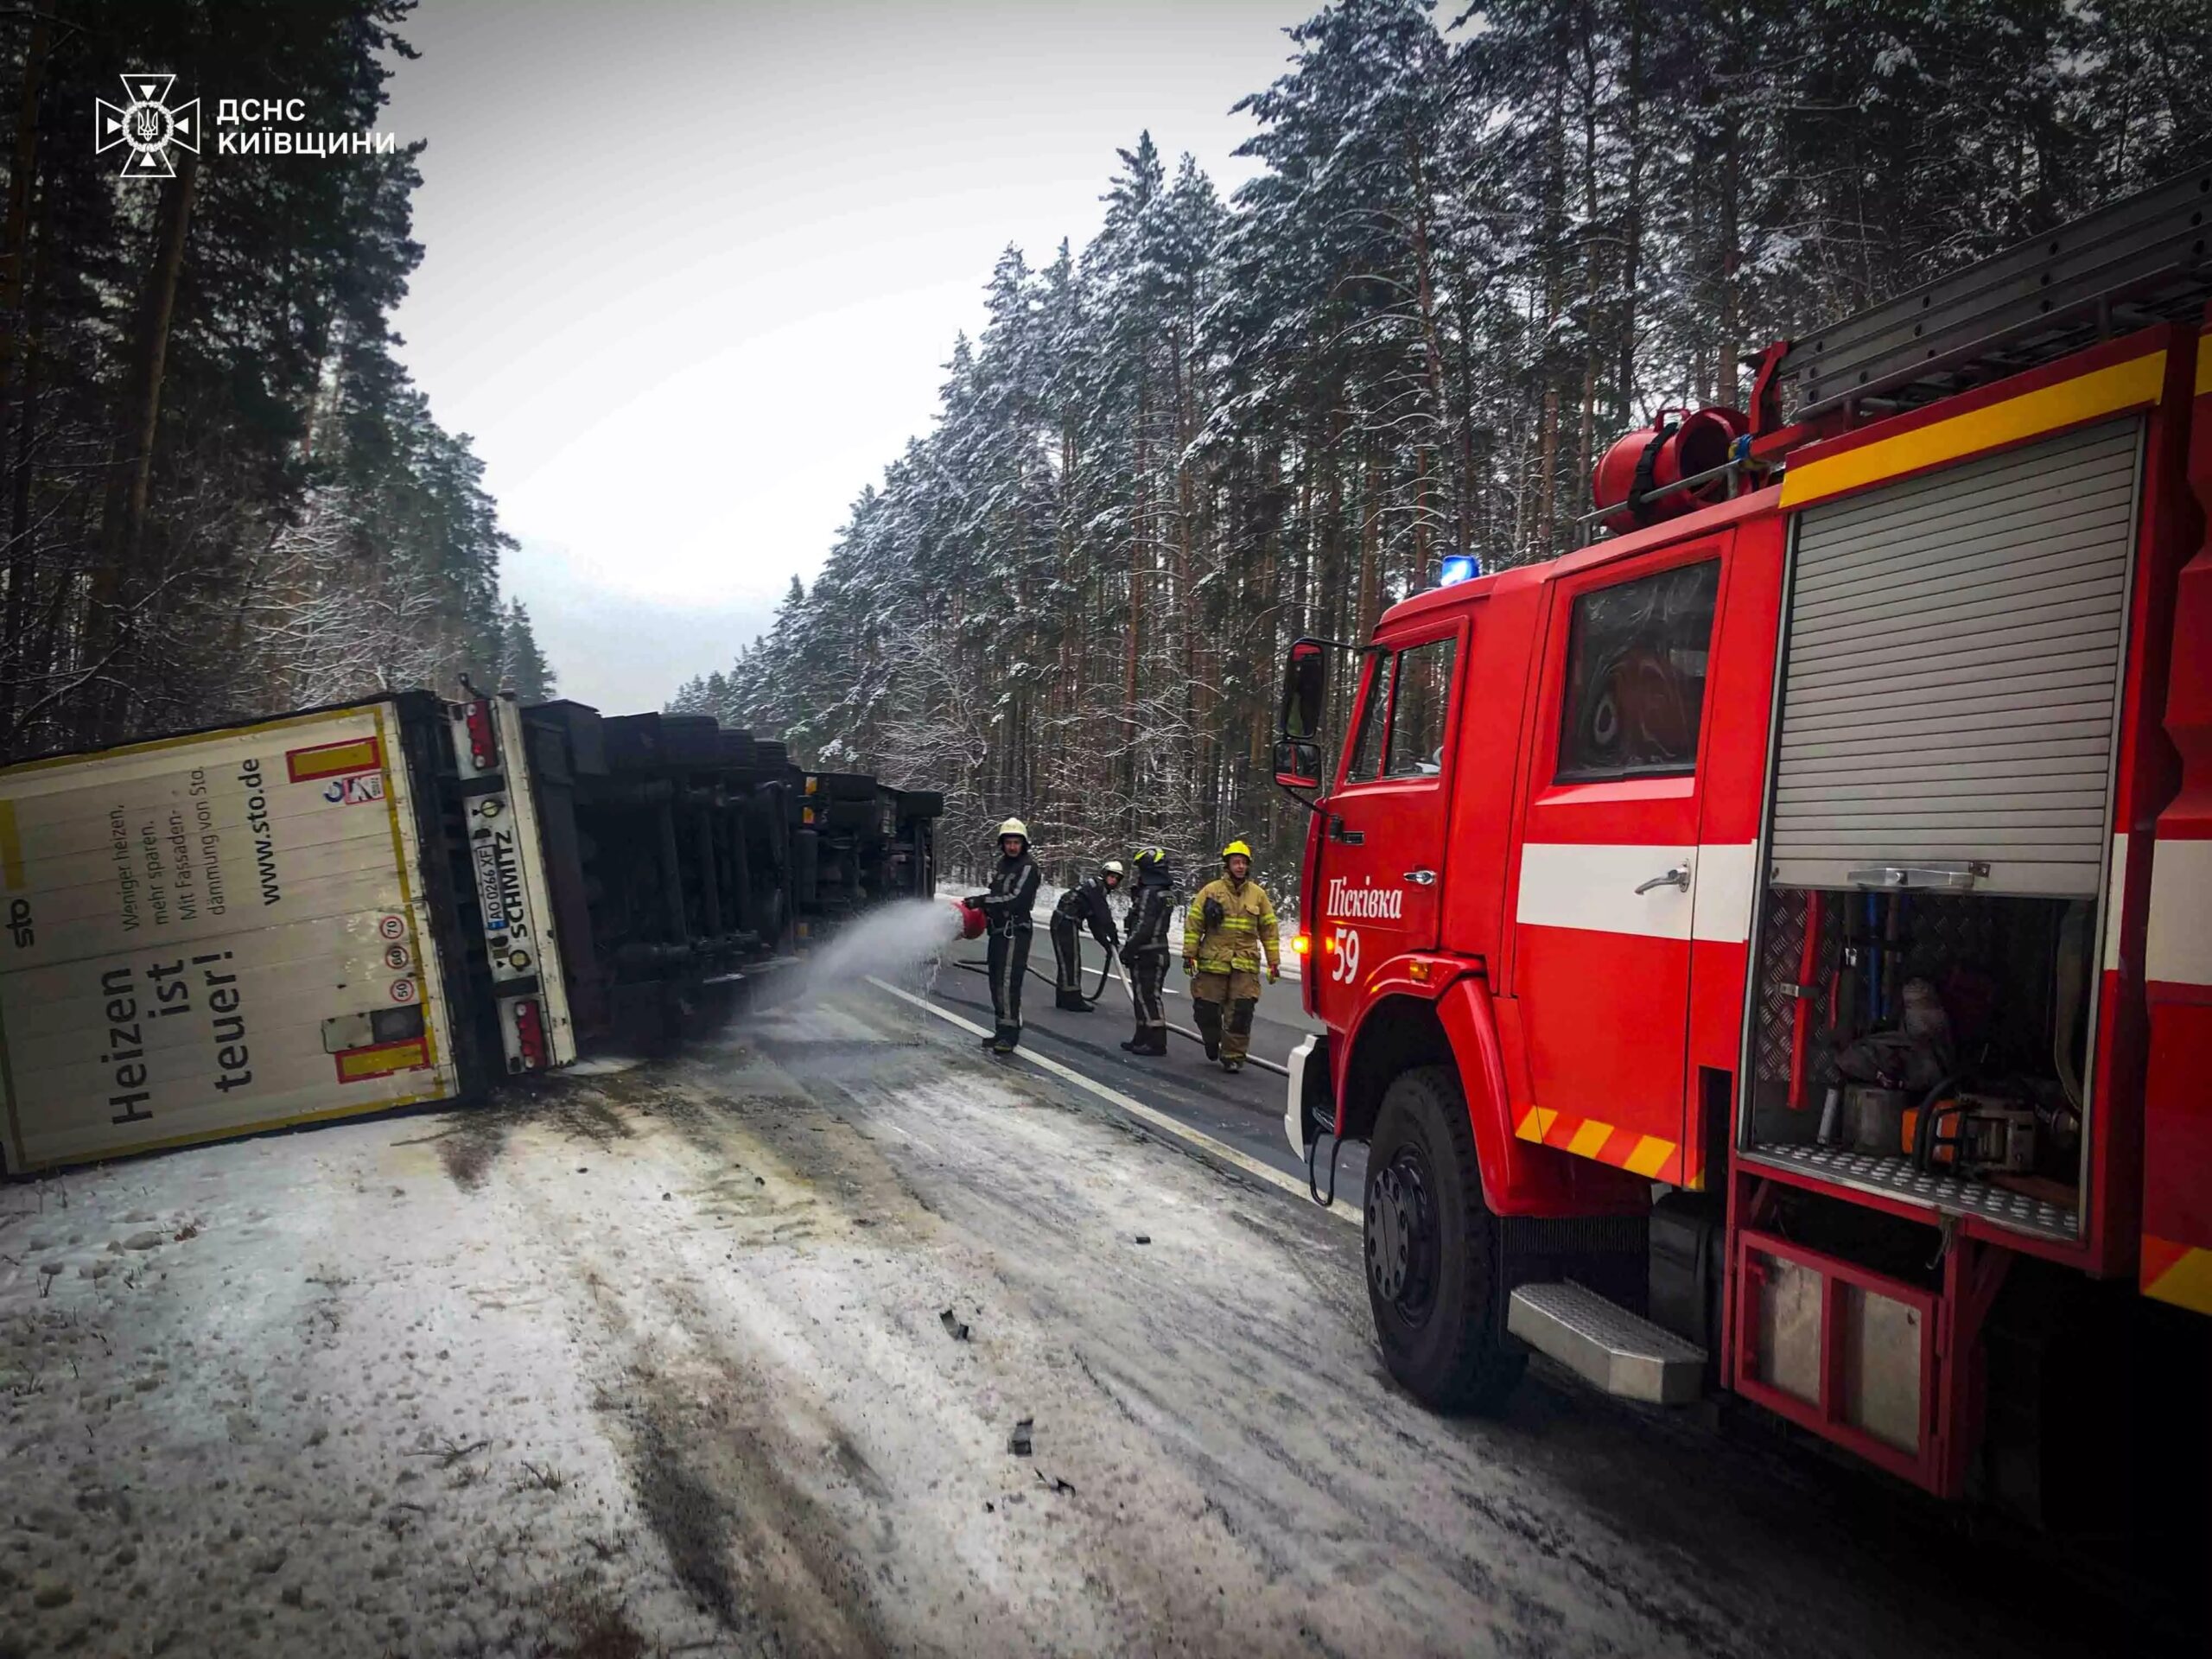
{"points": [[1459, 566]]}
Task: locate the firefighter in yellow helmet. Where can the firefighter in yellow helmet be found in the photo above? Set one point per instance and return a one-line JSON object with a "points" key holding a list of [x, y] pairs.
{"points": [[1229, 927]]}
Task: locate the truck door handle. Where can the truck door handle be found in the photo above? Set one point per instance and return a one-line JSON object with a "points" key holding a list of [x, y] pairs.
{"points": [[1421, 878], [1677, 877]]}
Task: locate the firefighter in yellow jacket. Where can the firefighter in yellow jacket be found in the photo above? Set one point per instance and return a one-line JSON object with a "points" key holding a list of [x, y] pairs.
{"points": [[1225, 931]]}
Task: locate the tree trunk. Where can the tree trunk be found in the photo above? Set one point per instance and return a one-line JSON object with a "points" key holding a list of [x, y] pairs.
{"points": [[1432, 356], [124, 517], [1593, 272], [1137, 529], [1726, 346], [1631, 220], [18, 371]]}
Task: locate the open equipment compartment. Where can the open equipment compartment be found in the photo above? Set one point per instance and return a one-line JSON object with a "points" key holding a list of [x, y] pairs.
{"points": [[1938, 834], [1965, 1092]]}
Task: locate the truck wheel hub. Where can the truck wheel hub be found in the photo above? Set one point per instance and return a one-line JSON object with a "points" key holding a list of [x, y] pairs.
{"points": [[1401, 1235]]}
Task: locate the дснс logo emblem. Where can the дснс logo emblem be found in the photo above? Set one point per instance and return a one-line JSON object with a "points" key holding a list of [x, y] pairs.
{"points": [[147, 126]]}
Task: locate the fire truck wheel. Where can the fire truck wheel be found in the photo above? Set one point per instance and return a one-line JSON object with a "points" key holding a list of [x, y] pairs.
{"points": [[1431, 1249]]}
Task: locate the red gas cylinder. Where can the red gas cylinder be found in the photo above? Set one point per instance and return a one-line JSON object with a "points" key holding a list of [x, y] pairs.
{"points": [[1678, 445], [971, 918]]}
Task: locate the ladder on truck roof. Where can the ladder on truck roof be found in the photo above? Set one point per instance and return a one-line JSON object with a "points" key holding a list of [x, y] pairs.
{"points": [[2140, 261]]}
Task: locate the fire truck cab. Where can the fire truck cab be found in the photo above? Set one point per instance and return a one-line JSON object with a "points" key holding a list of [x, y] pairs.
{"points": [[1769, 949]]}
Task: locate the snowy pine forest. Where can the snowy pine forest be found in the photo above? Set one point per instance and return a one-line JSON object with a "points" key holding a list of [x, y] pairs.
{"points": [[223, 496], [1477, 250]]}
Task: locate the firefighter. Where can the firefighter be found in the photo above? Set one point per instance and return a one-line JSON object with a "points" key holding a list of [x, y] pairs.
{"points": [[1228, 926], [1006, 906], [1083, 903], [1146, 953]]}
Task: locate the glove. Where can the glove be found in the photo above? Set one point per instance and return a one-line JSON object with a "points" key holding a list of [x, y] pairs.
{"points": [[1191, 966], [1275, 973]]}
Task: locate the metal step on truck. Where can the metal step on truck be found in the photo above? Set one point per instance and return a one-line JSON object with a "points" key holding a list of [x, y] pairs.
{"points": [[1769, 949], [398, 901]]}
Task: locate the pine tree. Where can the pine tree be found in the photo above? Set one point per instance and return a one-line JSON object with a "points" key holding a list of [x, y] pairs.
{"points": [[202, 428], [1464, 265]]}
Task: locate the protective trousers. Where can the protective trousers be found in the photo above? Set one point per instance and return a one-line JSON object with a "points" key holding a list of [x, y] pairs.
{"points": [[1010, 965], [1067, 964], [1148, 980], [1223, 1004]]}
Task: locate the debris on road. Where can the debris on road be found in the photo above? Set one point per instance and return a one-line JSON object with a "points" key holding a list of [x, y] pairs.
{"points": [[1144, 1238], [954, 1327], [1019, 1441]]}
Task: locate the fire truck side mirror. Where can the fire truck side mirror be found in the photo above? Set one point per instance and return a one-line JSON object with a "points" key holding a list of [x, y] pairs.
{"points": [[1304, 681], [1298, 763]]}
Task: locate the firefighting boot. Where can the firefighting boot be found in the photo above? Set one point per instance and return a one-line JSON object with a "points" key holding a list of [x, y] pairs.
{"points": [[1236, 1034], [1208, 1015]]}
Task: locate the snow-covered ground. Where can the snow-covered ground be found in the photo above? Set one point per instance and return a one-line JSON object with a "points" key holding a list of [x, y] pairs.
{"points": [[730, 1353]]}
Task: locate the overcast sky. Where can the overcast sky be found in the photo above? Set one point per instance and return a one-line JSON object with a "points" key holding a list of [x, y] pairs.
{"points": [[693, 269]]}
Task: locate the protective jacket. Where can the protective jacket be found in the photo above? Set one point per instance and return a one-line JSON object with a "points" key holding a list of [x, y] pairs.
{"points": [[1012, 894], [1246, 929], [1085, 902], [1151, 908]]}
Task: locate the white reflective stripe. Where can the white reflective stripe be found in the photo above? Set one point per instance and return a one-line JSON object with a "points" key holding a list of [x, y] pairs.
{"points": [[1593, 886], [2116, 900], [1727, 878], [2179, 950]]}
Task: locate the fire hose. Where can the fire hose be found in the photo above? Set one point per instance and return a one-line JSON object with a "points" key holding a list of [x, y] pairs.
{"points": [[1180, 1032]]}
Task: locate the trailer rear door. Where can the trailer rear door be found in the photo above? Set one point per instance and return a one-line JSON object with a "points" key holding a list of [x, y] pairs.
{"points": [[215, 934]]}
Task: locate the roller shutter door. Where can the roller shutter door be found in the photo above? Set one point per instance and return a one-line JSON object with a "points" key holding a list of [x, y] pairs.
{"points": [[1954, 671]]}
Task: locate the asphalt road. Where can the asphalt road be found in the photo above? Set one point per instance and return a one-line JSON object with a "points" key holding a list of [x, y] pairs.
{"points": [[1245, 1111], [831, 1335]]}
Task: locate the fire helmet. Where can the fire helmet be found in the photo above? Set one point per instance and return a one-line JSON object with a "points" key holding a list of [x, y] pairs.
{"points": [[1014, 827], [1235, 849], [1112, 867]]}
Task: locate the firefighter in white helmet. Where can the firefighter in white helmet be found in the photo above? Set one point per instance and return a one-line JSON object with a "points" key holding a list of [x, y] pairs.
{"points": [[1227, 927], [1006, 905], [1083, 906]]}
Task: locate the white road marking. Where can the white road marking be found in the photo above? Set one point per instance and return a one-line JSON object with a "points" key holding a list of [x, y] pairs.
{"points": [[1159, 1120]]}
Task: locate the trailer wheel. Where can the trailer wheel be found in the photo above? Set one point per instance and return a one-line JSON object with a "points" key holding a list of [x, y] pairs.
{"points": [[1431, 1249]]}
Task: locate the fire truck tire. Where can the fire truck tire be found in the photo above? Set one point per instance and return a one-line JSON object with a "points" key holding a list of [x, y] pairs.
{"points": [[1432, 1251]]}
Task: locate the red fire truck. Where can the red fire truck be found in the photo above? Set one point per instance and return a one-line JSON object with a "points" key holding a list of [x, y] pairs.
{"points": [[1769, 949]]}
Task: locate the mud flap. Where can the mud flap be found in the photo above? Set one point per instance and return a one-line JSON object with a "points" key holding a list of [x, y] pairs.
{"points": [[1310, 1105]]}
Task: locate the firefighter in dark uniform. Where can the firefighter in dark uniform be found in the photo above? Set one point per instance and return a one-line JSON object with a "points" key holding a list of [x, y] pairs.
{"points": [[1152, 911], [1083, 903], [1006, 906]]}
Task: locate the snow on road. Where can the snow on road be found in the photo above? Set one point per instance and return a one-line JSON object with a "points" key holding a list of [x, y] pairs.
{"points": [[673, 1360]]}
